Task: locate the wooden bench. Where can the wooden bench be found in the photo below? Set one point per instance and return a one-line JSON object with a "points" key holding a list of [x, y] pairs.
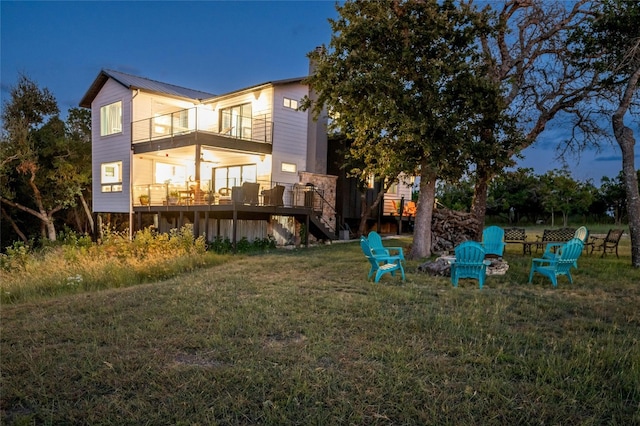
{"points": [[561, 235], [518, 236]]}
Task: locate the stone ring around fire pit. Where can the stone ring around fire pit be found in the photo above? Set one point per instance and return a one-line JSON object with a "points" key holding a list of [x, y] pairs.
{"points": [[441, 266]]}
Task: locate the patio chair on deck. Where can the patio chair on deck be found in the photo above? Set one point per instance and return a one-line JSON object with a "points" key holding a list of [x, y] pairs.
{"points": [[274, 196], [560, 264], [199, 196], [469, 263], [250, 193]]}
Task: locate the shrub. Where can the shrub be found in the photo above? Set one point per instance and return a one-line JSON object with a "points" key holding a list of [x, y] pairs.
{"points": [[75, 264]]}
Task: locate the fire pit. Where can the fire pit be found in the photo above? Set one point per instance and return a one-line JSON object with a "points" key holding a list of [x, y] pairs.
{"points": [[442, 266]]}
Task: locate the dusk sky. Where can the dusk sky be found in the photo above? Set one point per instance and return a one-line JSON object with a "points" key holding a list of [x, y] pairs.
{"points": [[213, 46]]}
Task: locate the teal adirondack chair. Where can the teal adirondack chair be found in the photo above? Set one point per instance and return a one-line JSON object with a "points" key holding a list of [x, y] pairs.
{"points": [[560, 264], [493, 241], [375, 242], [581, 233], [469, 263], [381, 263]]}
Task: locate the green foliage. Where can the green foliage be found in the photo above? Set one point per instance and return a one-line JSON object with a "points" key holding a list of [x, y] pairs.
{"points": [[407, 84], [46, 162], [224, 245], [614, 196], [516, 195], [303, 233], [456, 196], [221, 245], [264, 244], [16, 257], [522, 196], [561, 193], [412, 70]]}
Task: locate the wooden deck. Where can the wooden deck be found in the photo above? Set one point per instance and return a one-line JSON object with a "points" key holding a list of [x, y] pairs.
{"points": [[199, 214]]}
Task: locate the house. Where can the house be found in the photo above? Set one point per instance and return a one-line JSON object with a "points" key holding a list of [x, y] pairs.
{"points": [[248, 163]]}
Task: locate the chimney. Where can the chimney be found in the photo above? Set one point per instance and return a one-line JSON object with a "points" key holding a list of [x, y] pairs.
{"points": [[312, 63]]}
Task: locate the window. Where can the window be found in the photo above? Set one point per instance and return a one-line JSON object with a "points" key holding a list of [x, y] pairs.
{"points": [[290, 103], [236, 121], [288, 167], [371, 181], [111, 119], [393, 189], [228, 177], [111, 176], [170, 173]]}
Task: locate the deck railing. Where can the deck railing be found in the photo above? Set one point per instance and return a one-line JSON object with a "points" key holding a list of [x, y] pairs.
{"points": [[255, 129], [203, 193]]}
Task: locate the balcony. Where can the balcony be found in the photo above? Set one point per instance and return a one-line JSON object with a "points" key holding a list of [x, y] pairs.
{"points": [[200, 120]]}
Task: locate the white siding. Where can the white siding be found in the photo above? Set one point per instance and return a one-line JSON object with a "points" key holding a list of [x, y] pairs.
{"points": [[147, 105], [290, 132], [404, 189], [111, 148]]}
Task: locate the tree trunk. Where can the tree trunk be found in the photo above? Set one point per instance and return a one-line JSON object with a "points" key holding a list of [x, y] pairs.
{"points": [[624, 137], [87, 211], [364, 214], [15, 227], [422, 239], [479, 203], [51, 228], [368, 210]]}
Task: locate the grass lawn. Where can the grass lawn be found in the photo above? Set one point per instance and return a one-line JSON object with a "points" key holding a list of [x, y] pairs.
{"points": [[300, 337]]}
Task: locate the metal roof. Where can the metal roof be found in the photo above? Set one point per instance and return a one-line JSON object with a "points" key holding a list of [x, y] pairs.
{"points": [[134, 82], [266, 83]]}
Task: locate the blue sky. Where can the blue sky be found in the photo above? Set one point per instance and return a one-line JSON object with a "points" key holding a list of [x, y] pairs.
{"points": [[214, 46]]}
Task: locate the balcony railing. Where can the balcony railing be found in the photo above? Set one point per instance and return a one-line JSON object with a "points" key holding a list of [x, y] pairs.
{"points": [[255, 129]]}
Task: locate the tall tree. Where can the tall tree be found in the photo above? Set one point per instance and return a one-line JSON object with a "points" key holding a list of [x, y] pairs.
{"points": [[614, 195], [561, 193], [39, 164], [401, 80], [515, 195], [611, 49], [78, 127], [528, 56]]}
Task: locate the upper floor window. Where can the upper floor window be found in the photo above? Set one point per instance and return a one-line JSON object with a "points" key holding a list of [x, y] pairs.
{"points": [[290, 103], [236, 121], [111, 176], [111, 119]]}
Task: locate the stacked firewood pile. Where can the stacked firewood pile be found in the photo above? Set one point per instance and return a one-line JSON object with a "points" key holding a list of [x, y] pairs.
{"points": [[450, 227]]}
